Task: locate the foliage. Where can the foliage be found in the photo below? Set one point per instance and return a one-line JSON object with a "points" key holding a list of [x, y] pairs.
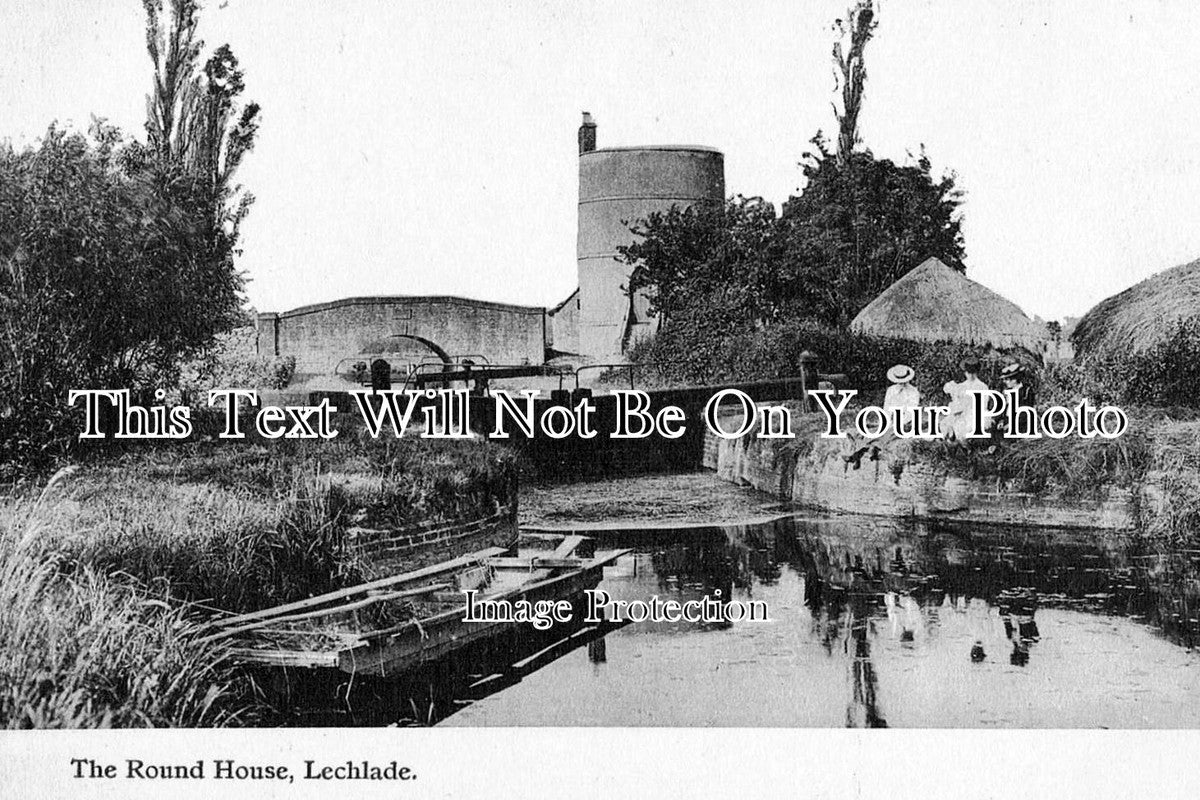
{"points": [[717, 277], [1073, 466], [116, 258], [850, 71], [193, 119], [681, 257], [1165, 375], [1170, 510], [857, 228], [688, 354], [850, 234], [232, 362], [106, 256], [1169, 372]]}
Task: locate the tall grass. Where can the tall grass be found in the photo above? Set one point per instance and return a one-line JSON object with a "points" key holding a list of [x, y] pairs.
{"points": [[82, 649], [107, 575], [242, 527], [1073, 466], [1170, 511], [230, 548]]}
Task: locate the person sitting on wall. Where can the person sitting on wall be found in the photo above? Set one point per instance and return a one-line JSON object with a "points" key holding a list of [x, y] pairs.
{"points": [[900, 395], [959, 422], [1014, 378]]}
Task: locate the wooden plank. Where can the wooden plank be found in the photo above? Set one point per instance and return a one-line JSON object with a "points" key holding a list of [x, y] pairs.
{"points": [[541, 537], [536, 562], [568, 546], [287, 658], [324, 612], [341, 594], [520, 666], [345, 638]]}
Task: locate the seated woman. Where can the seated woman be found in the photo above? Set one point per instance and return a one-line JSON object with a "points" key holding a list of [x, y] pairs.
{"points": [[901, 395], [959, 423]]}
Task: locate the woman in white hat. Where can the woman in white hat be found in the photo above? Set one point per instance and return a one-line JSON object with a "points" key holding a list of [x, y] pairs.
{"points": [[900, 395]]}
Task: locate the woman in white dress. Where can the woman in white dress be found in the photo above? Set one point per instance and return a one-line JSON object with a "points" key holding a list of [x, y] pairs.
{"points": [[959, 423]]}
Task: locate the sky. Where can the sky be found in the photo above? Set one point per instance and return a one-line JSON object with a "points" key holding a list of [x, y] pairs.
{"points": [[430, 147]]}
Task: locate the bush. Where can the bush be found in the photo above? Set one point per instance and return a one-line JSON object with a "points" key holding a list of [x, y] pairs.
{"points": [[110, 271], [232, 363], [1075, 466], [1167, 374], [694, 350]]}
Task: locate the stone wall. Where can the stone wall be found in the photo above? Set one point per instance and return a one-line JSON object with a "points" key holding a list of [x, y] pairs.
{"points": [[903, 483], [320, 336]]}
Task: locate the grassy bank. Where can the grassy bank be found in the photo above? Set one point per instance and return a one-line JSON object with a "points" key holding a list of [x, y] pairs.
{"points": [[240, 527], [1158, 459], [107, 573]]}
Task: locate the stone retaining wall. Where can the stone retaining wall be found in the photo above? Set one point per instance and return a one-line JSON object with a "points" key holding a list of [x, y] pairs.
{"points": [[903, 483]]}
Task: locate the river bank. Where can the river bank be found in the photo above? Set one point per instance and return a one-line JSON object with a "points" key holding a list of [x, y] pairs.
{"points": [[110, 570], [1144, 482]]}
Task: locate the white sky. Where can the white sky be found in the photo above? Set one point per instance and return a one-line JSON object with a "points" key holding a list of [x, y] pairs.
{"points": [[429, 147]]}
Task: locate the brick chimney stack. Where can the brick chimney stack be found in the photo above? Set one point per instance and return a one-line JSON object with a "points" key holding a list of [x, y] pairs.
{"points": [[587, 134]]}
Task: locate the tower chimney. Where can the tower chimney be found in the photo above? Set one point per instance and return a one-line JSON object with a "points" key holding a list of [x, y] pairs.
{"points": [[587, 134]]}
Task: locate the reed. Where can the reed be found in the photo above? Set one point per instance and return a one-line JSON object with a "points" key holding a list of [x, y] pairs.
{"points": [[82, 649]]}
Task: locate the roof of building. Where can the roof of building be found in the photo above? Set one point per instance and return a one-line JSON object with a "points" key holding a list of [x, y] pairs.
{"points": [[404, 300], [936, 303], [563, 304], [1142, 315], [675, 148]]}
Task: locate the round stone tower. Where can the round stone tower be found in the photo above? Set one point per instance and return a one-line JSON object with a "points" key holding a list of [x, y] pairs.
{"points": [[617, 187]]}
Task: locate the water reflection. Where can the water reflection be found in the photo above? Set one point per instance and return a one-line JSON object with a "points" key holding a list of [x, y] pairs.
{"points": [[877, 623]]}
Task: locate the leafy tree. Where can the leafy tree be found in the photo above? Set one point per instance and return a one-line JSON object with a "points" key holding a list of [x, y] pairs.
{"points": [[861, 223], [116, 258], [105, 277], [681, 257], [194, 125], [858, 227]]}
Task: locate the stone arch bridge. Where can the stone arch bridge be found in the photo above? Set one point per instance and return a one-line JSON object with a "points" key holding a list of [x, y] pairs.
{"points": [[329, 337]]}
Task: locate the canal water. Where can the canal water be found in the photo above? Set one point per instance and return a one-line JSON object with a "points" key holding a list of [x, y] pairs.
{"points": [[872, 622]]}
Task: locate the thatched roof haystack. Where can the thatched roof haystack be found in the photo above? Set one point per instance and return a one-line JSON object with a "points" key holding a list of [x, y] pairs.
{"points": [[1142, 315], [933, 303]]}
